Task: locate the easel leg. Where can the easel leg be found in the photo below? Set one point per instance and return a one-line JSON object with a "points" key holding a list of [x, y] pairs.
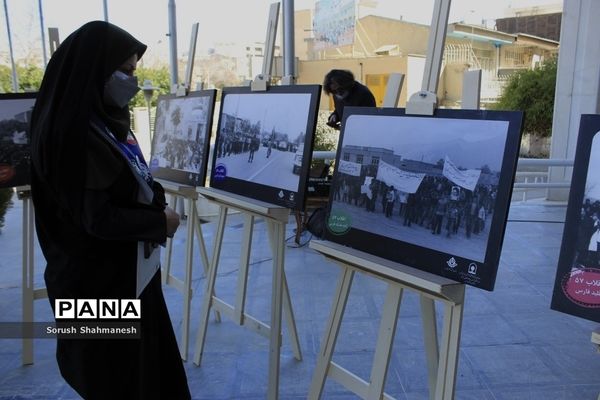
{"points": [[187, 283], [210, 286], [288, 310], [201, 243], [28, 272], [242, 283], [431, 341], [277, 238], [288, 313], [331, 333], [167, 266], [203, 253], [385, 341], [449, 351]]}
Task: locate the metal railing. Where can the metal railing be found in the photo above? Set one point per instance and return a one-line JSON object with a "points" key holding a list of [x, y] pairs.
{"points": [[536, 183]]}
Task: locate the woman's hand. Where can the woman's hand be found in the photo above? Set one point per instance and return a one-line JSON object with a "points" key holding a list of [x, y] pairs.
{"points": [[172, 221]]}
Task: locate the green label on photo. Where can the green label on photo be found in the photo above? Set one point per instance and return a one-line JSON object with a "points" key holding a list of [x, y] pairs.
{"points": [[339, 222]]}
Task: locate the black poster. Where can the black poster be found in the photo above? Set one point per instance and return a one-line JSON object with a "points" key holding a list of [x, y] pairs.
{"points": [[181, 140], [577, 284], [15, 156], [264, 143], [431, 192]]}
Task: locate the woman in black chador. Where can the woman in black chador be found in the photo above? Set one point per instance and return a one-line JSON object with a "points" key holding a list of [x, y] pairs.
{"points": [[95, 200]]}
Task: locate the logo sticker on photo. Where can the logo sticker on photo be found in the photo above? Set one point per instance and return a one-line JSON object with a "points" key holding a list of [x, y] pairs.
{"points": [[220, 172]]}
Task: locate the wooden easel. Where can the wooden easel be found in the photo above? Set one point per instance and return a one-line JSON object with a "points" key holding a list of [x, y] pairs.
{"points": [[276, 218], [29, 293], [190, 196], [441, 361], [596, 341]]}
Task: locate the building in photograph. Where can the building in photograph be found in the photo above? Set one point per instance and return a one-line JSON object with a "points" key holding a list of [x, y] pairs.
{"points": [[369, 157]]}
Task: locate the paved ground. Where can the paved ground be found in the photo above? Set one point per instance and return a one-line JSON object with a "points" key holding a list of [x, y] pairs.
{"points": [[513, 346]]}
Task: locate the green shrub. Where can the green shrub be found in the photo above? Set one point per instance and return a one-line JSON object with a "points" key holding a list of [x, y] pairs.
{"points": [[5, 204]]}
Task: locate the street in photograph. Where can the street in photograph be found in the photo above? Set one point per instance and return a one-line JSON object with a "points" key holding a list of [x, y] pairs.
{"points": [[261, 137]]}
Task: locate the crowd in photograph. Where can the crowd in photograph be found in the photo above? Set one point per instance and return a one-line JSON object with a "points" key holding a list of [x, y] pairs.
{"points": [[181, 154], [238, 144], [588, 238], [438, 204]]}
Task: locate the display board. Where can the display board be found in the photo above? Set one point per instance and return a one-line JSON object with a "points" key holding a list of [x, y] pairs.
{"points": [[431, 192], [264, 143], [577, 284], [181, 140], [15, 155]]}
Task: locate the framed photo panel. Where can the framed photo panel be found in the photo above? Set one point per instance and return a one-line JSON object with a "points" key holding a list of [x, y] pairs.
{"points": [[431, 192], [15, 154], [577, 283], [181, 140], [264, 143]]}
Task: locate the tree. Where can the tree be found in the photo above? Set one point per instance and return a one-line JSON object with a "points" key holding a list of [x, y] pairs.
{"points": [[5, 79], [29, 76], [5, 204], [326, 138], [532, 91], [159, 77]]}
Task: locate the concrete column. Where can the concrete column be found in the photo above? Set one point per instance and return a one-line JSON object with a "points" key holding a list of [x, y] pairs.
{"points": [[577, 83]]}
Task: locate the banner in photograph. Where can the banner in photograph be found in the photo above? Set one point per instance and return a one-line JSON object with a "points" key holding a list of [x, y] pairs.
{"points": [[333, 23], [349, 168], [405, 181], [467, 178]]}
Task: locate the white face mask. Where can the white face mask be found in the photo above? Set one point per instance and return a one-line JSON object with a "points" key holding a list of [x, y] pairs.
{"points": [[342, 95], [119, 89]]}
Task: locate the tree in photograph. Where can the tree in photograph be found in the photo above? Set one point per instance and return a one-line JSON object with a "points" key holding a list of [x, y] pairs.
{"points": [[532, 91]]}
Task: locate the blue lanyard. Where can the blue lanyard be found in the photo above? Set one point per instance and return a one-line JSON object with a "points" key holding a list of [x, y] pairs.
{"points": [[132, 152]]}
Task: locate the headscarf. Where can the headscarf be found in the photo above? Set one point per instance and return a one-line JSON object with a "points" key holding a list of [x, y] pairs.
{"points": [[70, 93]]}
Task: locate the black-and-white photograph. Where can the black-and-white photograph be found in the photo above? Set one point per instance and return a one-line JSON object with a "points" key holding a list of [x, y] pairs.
{"points": [[264, 140], [577, 284], [431, 182], [15, 116], [181, 137], [588, 237]]}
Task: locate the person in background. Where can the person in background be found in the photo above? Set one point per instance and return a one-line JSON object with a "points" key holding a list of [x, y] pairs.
{"points": [[346, 91], [97, 206]]}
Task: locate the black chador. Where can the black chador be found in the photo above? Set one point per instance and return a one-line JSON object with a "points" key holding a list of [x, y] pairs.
{"points": [[91, 214]]}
